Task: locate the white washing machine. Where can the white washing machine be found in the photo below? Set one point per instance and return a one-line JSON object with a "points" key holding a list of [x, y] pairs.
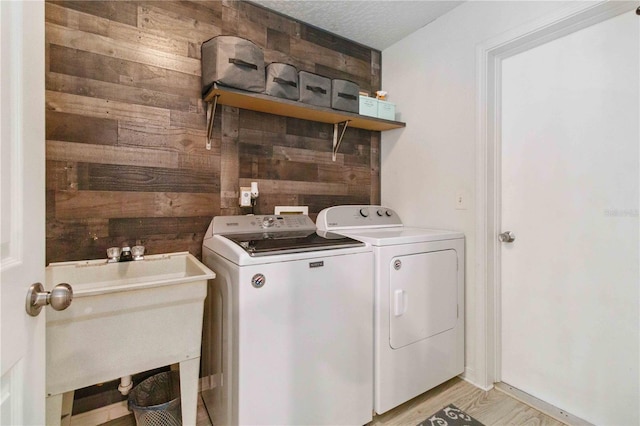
{"points": [[419, 300], [294, 341]]}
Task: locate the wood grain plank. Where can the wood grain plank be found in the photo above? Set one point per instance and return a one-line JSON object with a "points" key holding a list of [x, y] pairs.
{"points": [[356, 176], [182, 140], [127, 50], [255, 120], [105, 108], [78, 128], [328, 57], [376, 71], [94, 66], [200, 12], [229, 167], [120, 204], [265, 17], [279, 41], [108, 177], [113, 91], [125, 227], [124, 12], [306, 156], [163, 21], [104, 154], [296, 187], [70, 248], [248, 150], [335, 43], [82, 229], [275, 169], [85, 22], [61, 175], [375, 178], [196, 121]]}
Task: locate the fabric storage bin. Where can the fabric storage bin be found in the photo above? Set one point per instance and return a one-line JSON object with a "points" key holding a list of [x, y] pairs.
{"points": [[314, 89], [282, 81], [345, 95], [234, 62]]}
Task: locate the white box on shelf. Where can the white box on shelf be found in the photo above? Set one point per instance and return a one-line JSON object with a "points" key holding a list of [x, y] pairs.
{"points": [[368, 106], [386, 110]]}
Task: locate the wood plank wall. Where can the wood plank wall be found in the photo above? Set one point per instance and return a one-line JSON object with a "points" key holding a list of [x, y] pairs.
{"points": [[126, 126]]}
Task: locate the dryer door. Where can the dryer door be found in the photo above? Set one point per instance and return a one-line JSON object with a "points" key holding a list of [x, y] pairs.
{"points": [[422, 296]]}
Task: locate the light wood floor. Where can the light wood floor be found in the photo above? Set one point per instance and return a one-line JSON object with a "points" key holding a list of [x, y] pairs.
{"points": [[493, 408]]}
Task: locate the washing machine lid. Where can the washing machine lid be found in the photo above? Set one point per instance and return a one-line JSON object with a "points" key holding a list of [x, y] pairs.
{"points": [[273, 243], [275, 234]]}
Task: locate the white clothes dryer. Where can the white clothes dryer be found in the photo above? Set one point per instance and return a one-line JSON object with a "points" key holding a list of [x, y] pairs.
{"points": [[419, 300]]}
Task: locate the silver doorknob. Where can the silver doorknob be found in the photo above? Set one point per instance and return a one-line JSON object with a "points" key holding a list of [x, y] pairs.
{"points": [[507, 237], [59, 298]]}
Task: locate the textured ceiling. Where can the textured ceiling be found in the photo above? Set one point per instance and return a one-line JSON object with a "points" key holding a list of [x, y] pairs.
{"points": [[373, 23]]}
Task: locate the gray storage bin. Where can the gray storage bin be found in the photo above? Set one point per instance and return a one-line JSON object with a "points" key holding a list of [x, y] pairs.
{"points": [[314, 89], [282, 81], [345, 95], [234, 62]]}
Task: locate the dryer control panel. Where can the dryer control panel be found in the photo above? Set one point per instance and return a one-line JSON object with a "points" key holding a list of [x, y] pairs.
{"points": [[357, 216]]}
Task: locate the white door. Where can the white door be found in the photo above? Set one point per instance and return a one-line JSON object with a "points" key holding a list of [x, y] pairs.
{"points": [[22, 211], [570, 185]]}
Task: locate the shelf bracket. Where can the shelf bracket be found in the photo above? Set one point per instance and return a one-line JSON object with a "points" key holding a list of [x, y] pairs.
{"points": [[212, 115], [338, 140]]}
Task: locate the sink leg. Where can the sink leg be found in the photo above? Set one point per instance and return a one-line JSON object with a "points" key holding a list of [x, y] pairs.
{"points": [[189, 371], [58, 409], [67, 408]]}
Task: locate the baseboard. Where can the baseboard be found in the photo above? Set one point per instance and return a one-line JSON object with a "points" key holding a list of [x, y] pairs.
{"points": [[101, 415], [468, 376], [540, 405]]}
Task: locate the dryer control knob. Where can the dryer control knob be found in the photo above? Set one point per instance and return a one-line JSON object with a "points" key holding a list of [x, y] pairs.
{"points": [[389, 213], [380, 212], [364, 212]]}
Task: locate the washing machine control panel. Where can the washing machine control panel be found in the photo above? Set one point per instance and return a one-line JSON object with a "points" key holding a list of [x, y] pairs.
{"points": [[342, 217], [258, 223]]}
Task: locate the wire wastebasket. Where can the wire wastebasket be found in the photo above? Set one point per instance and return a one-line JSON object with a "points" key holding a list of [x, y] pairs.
{"points": [[156, 400]]}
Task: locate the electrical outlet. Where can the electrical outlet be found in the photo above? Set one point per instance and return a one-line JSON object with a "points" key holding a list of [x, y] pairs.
{"points": [[245, 196]]}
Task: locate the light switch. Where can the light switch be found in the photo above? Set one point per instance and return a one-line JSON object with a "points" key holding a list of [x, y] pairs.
{"points": [[461, 200]]}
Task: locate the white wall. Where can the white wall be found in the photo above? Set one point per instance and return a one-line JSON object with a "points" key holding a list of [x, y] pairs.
{"points": [[431, 77]]}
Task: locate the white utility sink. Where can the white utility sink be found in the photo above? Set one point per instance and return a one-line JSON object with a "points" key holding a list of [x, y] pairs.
{"points": [[125, 318]]}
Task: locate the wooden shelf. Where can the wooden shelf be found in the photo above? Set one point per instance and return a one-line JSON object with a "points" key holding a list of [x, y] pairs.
{"points": [[272, 105]]}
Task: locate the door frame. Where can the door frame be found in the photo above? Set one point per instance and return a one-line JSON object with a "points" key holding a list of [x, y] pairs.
{"points": [[489, 57]]}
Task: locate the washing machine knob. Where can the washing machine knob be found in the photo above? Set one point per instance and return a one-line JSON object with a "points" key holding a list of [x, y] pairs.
{"points": [[380, 212], [268, 222], [389, 213], [364, 212]]}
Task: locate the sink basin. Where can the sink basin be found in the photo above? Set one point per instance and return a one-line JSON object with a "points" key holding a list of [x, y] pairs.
{"points": [[125, 318]]}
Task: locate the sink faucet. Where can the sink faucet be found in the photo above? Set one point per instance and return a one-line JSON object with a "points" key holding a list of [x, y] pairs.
{"points": [[125, 255]]}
